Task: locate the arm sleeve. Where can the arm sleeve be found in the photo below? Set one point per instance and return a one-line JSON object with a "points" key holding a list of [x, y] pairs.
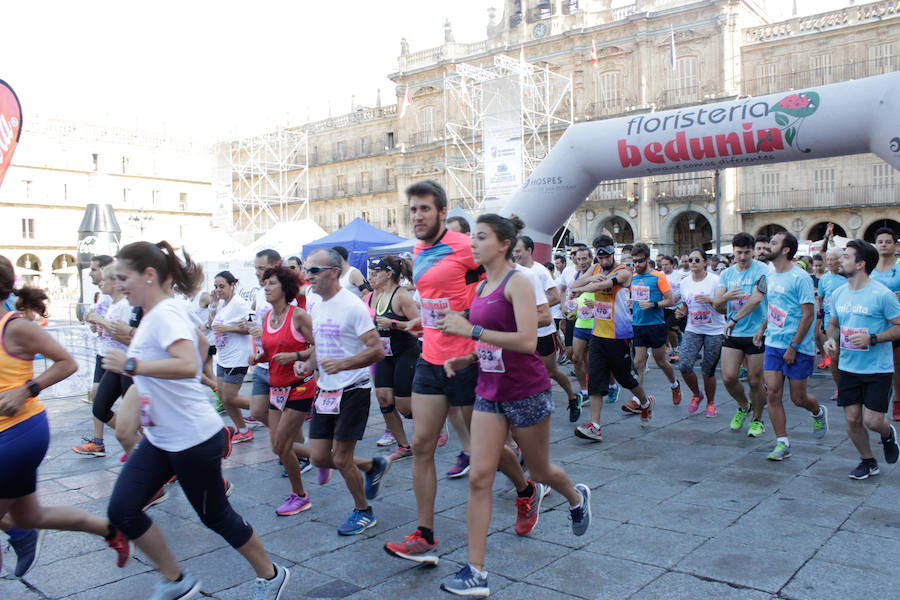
{"points": [[663, 283]]}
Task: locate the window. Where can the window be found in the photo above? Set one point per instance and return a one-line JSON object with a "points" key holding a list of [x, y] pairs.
{"points": [[611, 190], [389, 140], [823, 185], [341, 184], [766, 74], [687, 88], [182, 200], [769, 184], [124, 195], [95, 158], [427, 123], [365, 181], [391, 220], [27, 229], [154, 197], [364, 215], [339, 151], [341, 220], [364, 146], [609, 91], [821, 69], [883, 183], [882, 59], [27, 183], [124, 164], [389, 178], [315, 155]]}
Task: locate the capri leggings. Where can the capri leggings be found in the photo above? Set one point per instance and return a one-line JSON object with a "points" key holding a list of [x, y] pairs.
{"points": [[689, 352], [112, 387], [397, 372], [199, 471]]}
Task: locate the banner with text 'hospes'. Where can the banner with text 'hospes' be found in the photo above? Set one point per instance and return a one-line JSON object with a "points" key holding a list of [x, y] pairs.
{"points": [[10, 126]]}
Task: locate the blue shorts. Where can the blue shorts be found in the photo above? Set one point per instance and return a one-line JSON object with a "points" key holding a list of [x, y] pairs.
{"points": [[801, 369], [23, 447], [526, 412], [260, 382], [231, 374], [650, 336], [582, 333]]}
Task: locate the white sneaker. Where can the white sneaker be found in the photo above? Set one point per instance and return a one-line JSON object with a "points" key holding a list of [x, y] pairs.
{"points": [[387, 439]]}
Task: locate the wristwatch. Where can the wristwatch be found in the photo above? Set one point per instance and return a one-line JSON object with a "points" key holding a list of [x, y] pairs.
{"points": [[477, 330], [655, 304], [34, 388], [873, 339], [130, 366]]}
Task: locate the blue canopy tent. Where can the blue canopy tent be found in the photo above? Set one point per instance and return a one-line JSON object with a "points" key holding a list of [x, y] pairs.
{"points": [[357, 236]]}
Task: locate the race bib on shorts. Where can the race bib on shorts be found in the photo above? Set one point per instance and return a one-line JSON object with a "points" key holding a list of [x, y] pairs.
{"points": [[603, 311], [490, 358], [640, 293], [278, 396], [386, 346], [146, 419], [846, 332], [777, 316], [431, 311], [329, 403], [701, 317]]}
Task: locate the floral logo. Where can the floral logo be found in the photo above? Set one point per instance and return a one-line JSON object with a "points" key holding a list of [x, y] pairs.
{"points": [[790, 113]]}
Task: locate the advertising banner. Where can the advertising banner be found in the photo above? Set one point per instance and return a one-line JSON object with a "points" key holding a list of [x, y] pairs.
{"points": [[502, 141], [10, 126]]}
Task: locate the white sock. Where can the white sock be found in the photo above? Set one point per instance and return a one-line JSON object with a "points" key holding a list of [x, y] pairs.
{"points": [[577, 506], [245, 429], [674, 384], [645, 404], [820, 413], [477, 572], [784, 441]]}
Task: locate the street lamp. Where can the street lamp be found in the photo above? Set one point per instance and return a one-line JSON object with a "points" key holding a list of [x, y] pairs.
{"points": [[139, 219]]}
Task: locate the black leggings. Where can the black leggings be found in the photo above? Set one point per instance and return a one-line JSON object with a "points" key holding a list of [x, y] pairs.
{"points": [[112, 387], [199, 471]]}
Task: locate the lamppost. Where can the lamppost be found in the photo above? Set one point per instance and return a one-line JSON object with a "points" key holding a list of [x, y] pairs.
{"points": [[139, 219]]}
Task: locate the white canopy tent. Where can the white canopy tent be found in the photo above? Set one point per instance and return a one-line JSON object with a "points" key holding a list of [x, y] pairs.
{"points": [[288, 238]]}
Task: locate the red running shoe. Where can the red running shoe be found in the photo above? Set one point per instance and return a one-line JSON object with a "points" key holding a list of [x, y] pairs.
{"points": [[529, 510], [122, 545], [415, 548], [230, 430]]}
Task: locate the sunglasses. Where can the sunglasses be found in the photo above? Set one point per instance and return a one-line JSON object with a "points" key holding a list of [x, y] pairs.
{"points": [[639, 261], [317, 270], [695, 260], [293, 268]]}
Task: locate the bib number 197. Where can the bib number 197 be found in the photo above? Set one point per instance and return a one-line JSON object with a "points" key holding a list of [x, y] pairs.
{"points": [[329, 403]]}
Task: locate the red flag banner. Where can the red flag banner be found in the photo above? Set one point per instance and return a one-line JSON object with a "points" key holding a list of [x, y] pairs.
{"points": [[10, 126]]}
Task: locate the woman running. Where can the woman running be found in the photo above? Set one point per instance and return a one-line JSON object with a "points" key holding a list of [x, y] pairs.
{"points": [[285, 339], [513, 392], [229, 324], [705, 330], [24, 429], [183, 435], [394, 307]]}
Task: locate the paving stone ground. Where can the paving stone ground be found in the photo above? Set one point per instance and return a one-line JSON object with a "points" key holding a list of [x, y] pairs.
{"points": [[685, 509]]}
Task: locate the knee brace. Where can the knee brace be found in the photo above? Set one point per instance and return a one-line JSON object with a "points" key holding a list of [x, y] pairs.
{"points": [[386, 410]]}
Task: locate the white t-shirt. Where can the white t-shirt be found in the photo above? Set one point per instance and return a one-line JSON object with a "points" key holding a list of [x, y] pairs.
{"points": [[118, 311], [181, 413], [347, 285], [702, 318], [540, 296], [263, 308], [545, 280], [337, 324], [674, 278], [232, 349], [556, 309]]}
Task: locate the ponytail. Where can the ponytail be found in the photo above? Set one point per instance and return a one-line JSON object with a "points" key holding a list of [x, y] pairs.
{"points": [[27, 298], [186, 276]]}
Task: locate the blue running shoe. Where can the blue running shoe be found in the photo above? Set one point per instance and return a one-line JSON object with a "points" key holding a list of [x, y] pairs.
{"points": [[375, 477], [613, 394], [357, 522], [581, 516], [466, 582], [27, 548]]}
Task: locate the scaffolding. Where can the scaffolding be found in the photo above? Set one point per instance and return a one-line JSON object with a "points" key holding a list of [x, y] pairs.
{"points": [[269, 179], [545, 109]]}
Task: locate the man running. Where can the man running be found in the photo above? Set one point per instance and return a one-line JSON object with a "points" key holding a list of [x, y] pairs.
{"points": [[346, 345], [829, 282], [866, 315], [259, 399], [443, 271], [579, 324], [674, 275], [736, 285], [790, 347], [888, 273], [650, 295]]}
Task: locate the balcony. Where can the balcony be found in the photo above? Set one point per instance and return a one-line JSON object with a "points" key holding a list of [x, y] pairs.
{"points": [[689, 188], [821, 76], [682, 95], [421, 138], [612, 106], [329, 192], [841, 197]]}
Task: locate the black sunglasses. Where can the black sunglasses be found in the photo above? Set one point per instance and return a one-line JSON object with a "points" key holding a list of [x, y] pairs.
{"points": [[317, 270], [639, 261], [292, 267], [695, 260]]}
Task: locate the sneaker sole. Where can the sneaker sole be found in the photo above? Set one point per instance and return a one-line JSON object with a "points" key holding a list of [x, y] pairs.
{"points": [[91, 454], [585, 436], [281, 588], [359, 531], [190, 593], [396, 458], [296, 512], [430, 560], [775, 459], [755, 435], [866, 476], [479, 592], [462, 473]]}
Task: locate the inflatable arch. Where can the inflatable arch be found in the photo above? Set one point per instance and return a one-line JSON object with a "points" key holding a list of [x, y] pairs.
{"points": [[840, 119]]}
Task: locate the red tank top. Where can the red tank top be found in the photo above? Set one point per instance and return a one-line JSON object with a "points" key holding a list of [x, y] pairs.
{"points": [[286, 339]]}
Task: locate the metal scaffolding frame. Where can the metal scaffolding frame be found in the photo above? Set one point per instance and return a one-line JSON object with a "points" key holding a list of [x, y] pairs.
{"points": [[269, 179], [546, 108]]}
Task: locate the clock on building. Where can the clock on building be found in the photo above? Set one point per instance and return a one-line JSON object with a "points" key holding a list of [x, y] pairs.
{"points": [[540, 30]]}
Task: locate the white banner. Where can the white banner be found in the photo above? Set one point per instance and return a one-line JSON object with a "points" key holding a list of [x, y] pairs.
{"points": [[502, 141]]}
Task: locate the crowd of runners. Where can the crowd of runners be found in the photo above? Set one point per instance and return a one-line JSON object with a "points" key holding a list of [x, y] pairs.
{"points": [[470, 329]]}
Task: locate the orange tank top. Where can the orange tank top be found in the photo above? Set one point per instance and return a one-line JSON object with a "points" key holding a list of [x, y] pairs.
{"points": [[14, 372]]}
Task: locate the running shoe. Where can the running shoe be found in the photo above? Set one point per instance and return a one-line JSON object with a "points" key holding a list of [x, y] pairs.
{"points": [[826, 362], [528, 510], [305, 466], [865, 469], [158, 498], [466, 582], [742, 374], [27, 549], [711, 409], [891, 449], [673, 358], [676, 393], [574, 409], [230, 431], [188, 587], [375, 477], [613, 394], [695, 403], [357, 522], [737, 421], [585, 398], [834, 396], [415, 548], [386, 439], [895, 413], [587, 431], [271, 589], [229, 487], [757, 428], [820, 424], [647, 412], [324, 475], [400, 453], [780, 452], [220, 408], [242, 436], [253, 422], [122, 546], [90, 448], [581, 516], [442, 438], [293, 504], [631, 407], [461, 468]]}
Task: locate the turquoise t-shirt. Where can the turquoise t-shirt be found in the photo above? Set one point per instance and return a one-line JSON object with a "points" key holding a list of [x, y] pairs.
{"points": [[648, 287], [827, 284], [786, 294], [890, 278], [869, 310], [747, 281]]}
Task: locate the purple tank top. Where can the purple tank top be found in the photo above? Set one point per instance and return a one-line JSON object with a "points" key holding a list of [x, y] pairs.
{"points": [[504, 375]]}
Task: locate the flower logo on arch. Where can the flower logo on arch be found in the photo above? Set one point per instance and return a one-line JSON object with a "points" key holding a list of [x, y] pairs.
{"points": [[790, 113]]}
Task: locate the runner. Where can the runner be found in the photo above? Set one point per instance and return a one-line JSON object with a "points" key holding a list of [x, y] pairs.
{"points": [[546, 346], [101, 305], [443, 271], [888, 273], [513, 394], [394, 307], [735, 287], [229, 323], [351, 277], [704, 331], [259, 394], [866, 315], [346, 344], [790, 347], [285, 339], [650, 295], [183, 435], [25, 431], [761, 249], [578, 330], [557, 312], [610, 345], [673, 276], [829, 282]]}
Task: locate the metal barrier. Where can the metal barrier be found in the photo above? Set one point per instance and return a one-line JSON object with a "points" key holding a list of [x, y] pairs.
{"points": [[83, 345]]}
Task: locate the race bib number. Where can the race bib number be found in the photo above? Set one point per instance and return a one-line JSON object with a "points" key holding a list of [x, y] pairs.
{"points": [[777, 316], [640, 293], [603, 311], [736, 305], [701, 317], [846, 332], [386, 346], [490, 358], [571, 305], [146, 419], [585, 313], [278, 396], [329, 403], [431, 311]]}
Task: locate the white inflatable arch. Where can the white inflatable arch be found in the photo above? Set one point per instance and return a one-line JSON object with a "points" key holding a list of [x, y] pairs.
{"points": [[852, 117]]}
